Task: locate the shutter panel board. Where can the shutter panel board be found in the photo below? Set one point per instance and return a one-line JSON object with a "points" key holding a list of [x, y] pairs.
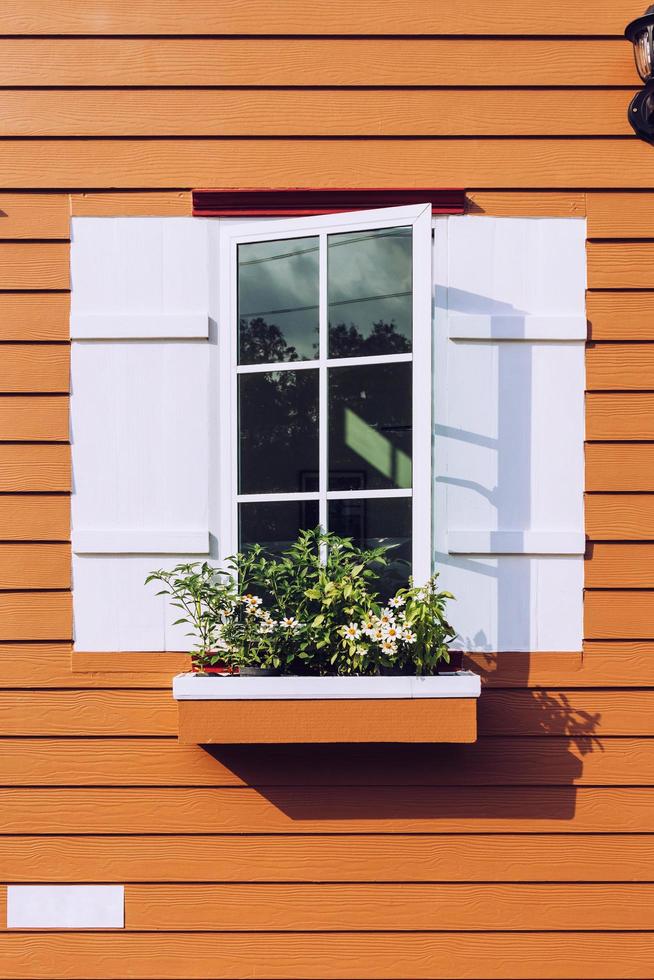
{"points": [[114, 610], [510, 328], [140, 423], [140, 436], [130, 326]]}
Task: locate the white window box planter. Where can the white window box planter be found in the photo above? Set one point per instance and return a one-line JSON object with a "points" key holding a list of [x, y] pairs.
{"points": [[244, 710]]}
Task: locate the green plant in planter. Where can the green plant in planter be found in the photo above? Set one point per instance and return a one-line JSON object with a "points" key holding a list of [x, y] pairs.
{"points": [[312, 609], [207, 598], [311, 591]]}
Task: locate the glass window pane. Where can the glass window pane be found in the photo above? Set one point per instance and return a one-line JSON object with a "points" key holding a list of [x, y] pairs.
{"points": [[278, 301], [371, 523], [275, 525], [369, 292], [370, 427], [278, 431]]}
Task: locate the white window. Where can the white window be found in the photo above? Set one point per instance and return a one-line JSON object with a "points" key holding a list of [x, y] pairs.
{"points": [[325, 381], [229, 384]]}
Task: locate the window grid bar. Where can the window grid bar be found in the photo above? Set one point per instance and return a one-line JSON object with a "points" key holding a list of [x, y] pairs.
{"points": [[264, 498], [323, 446], [327, 361]]}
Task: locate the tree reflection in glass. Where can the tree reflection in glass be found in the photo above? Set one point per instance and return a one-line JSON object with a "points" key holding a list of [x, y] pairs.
{"points": [[278, 431], [369, 276], [278, 301]]}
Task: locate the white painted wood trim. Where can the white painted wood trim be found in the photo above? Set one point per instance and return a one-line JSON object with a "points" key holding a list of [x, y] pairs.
{"points": [[486, 326], [140, 542], [516, 543], [65, 906], [135, 326], [191, 687]]}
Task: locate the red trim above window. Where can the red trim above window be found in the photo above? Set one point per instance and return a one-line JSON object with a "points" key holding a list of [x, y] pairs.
{"points": [[296, 202]]}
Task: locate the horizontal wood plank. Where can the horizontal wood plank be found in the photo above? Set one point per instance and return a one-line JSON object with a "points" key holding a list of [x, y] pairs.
{"points": [[173, 203], [600, 665], [617, 416], [132, 204], [626, 367], [80, 712], [527, 204], [540, 712], [34, 467], [425, 956], [620, 517], [34, 316], [46, 665], [621, 265], [275, 61], [314, 112], [38, 368], [620, 315], [595, 667], [581, 714], [620, 215], [135, 662], [355, 163], [616, 615], [35, 566], [38, 517], [34, 265], [34, 215], [334, 857], [489, 762], [405, 907], [308, 810], [619, 566], [34, 616], [34, 419], [620, 466], [339, 17]]}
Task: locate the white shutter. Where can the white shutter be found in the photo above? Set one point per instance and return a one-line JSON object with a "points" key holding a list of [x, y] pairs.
{"points": [[140, 420], [510, 327]]}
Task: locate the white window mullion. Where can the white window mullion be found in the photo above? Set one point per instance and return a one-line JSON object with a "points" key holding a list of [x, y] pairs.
{"points": [[323, 445], [422, 545]]}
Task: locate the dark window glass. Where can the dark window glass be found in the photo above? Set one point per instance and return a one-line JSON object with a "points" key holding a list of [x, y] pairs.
{"points": [[369, 292], [275, 525], [370, 427], [278, 301], [278, 431], [371, 523]]}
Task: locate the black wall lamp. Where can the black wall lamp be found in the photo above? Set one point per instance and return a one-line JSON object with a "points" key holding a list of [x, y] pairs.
{"points": [[641, 108]]}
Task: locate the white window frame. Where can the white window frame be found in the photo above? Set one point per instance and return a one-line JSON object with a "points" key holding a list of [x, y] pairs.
{"points": [[419, 217]]}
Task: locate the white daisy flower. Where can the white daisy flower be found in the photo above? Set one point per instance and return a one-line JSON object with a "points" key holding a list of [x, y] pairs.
{"points": [[290, 623], [378, 634], [392, 633], [409, 636], [388, 646], [351, 631], [386, 617], [396, 602]]}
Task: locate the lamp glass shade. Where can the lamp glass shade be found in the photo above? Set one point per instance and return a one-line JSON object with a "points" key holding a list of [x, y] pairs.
{"points": [[643, 53]]}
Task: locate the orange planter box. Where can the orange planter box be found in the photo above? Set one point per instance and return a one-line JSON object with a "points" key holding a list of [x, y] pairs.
{"points": [[268, 710]]}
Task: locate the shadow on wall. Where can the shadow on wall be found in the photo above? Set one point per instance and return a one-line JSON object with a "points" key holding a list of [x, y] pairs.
{"points": [[509, 448], [497, 778]]}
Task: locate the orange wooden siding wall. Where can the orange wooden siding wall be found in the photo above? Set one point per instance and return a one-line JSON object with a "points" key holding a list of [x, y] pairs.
{"points": [[527, 855]]}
